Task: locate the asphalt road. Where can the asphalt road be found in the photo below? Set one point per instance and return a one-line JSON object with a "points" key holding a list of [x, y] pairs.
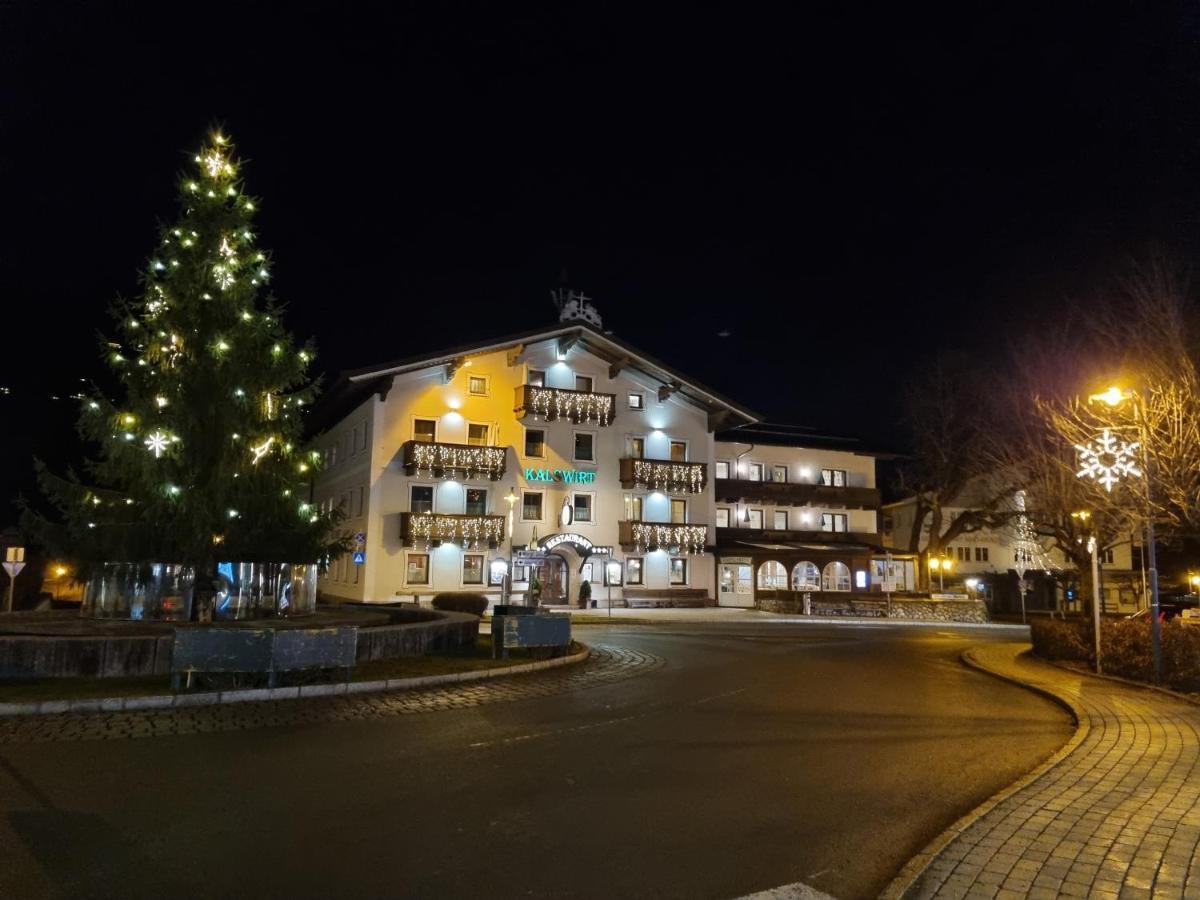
{"points": [[755, 756]]}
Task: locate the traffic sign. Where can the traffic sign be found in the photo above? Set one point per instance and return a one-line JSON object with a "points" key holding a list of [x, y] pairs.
{"points": [[360, 557], [360, 538], [13, 568]]}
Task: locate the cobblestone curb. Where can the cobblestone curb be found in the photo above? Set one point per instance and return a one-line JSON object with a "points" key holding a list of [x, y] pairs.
{"points": [[175, 701], [915, 867]]}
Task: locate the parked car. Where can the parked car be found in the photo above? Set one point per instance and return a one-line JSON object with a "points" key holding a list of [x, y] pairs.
{"points": [[1171, 605]]}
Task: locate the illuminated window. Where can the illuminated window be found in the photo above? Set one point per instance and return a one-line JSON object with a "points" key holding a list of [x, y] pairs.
{"points": [[531, 506], [678, 451], [582, 507], [722, 470], [835, 577], [756, 472], [477, 385], [472, 571], [418, 569], [477, 501], [781, 520], [425, 430], [833, 477], [806, 577], [772, 576], [834, 522], [679, 569], [678, 512], [637, 401], [633, 570], [723, 517], [633, 507], [477, 435]]}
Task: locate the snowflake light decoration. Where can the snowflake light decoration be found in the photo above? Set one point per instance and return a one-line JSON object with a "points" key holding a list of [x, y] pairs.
{"points": [[1108, 459], [156, 443]]}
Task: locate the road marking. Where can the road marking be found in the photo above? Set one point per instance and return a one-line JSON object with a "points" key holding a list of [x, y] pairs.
{"points": [[541, 734], [797, 891], [718, 696]]}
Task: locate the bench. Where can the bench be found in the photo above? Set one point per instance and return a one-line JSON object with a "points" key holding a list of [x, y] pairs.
{"points": [[262, 650], [666, 598]]}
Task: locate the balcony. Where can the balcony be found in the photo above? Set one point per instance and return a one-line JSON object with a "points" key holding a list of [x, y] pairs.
{"points": [[791, 493], [467, 531], [780, 536], [640, 537], [550, 404], [460, 461], [664, 475]]}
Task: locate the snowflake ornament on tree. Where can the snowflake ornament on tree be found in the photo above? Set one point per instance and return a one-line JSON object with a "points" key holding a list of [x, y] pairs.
{"points": [[1108, 459]]}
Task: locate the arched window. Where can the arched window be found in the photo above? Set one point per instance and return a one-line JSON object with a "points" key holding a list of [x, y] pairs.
{"points": [[772, 576], [806, 577], [836, 577]]}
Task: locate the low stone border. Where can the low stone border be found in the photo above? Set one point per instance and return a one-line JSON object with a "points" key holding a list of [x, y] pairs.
{"points": [[1194, 699], [164, 701], [915, 867]]}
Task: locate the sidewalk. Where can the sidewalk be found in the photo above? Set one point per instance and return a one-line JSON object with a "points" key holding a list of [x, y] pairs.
{"points": [[1115, 814], [732, 615]]}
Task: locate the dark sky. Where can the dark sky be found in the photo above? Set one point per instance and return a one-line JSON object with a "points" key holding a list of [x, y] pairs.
{"points": [[845, 189]]}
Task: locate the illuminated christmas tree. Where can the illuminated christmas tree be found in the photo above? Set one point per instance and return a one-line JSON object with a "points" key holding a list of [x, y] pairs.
{"points": [[198, 457]]}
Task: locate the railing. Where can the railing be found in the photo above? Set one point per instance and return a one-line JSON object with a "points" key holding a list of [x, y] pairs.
{"points": [[793, 493], [469, 531], [550, 404], [462, 461], [664, 475], [772, 535], [649, 536]]}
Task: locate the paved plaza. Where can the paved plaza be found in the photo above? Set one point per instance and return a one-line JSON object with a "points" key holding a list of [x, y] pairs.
{"points": [[1118, 816]]}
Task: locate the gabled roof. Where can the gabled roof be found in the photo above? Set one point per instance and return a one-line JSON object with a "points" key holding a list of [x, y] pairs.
{"points": [[354, 386]]}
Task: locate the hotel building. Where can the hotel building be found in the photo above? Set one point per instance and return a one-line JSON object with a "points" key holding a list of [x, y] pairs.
{"points": [[565, 456]]}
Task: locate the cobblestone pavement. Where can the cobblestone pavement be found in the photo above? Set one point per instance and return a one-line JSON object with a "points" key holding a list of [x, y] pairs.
{"points": [[606, 664], [1117, 817]]}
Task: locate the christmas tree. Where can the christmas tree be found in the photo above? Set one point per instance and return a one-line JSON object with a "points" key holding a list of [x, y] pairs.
{"points": [[199, 459]]}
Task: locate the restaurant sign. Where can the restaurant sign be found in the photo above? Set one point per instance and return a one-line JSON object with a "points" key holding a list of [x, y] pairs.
{"points": [[561, 476]]}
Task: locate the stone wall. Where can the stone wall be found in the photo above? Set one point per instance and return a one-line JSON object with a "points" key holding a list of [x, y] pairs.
{"points": [[874, 606]]}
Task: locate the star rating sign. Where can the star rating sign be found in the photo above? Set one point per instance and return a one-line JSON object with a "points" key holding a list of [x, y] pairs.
{"points": [[156, 443], [1108, 459]]}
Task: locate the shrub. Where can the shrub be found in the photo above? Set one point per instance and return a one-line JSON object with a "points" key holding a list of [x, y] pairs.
{"points": [[1056, 639], [475, 604], [1125, 646], [585, 593]]}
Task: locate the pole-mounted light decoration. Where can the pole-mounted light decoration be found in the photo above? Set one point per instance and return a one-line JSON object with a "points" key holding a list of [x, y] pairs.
{"points": [[1108, 459]]}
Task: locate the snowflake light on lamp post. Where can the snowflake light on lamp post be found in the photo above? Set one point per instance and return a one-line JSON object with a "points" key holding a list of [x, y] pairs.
{"points": [[1108, 459]]}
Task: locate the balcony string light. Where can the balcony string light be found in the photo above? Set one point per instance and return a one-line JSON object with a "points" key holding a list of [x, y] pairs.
{"points": [[453, 459], [689, 538], [670, 477], [466, 530], [578, 406]]}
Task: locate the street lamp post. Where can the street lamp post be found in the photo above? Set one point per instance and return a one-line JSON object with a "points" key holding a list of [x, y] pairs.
{"points": [[506, 590], [1108, 460]]}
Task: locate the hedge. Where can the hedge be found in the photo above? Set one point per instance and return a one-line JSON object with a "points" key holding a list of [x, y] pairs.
{"points": [[475, 604], [1125, 646]]}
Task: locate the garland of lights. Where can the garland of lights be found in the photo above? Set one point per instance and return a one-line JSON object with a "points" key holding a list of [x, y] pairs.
{"points": [[689, 538], [466, 461], [669, 477], [578, 406], [467, 530]]}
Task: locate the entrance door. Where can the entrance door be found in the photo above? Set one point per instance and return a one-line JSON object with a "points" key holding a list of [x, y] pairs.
{"points": [[736, 588], [552, 573]]}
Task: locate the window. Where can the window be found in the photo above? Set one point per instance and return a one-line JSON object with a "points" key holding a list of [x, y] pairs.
{"points": [[633, 507], [781, 520], [756, 471], [963, 554], [678, 512], [418, 569], [806, 577], [472, 571], [531, 506], [833, 477], [425, 430], [358, 501], [835, 577], [772, 576], [637, 401], [678, 451], [833, 522], [333, 455], [420, 498], [981, 554], [678, 570], [735, 579], [586, 573], [722, 517], [537, 378], [754, 518], [477, 501], [535, 442], [722, 470], [585, 450], [477, 385], [583, 507], [583, 383], [612, 573], [633, 570], [637, 447], [1106, 556], [779, 473], [519, 573], [477, 434]]}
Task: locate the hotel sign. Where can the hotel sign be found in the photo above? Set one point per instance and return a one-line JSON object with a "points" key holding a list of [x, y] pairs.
{"points": [[561, 476]]}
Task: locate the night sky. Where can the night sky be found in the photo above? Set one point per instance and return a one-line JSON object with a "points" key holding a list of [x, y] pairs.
{"points": [[843, 190]]}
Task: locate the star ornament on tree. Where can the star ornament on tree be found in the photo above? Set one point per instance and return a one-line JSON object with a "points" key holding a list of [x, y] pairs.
{"points": [[1108, 459], [156, 443]]}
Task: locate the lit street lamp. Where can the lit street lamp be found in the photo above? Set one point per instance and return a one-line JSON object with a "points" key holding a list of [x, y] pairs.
{"points": [[941, 565], [1109, 459], [1094, 549]]}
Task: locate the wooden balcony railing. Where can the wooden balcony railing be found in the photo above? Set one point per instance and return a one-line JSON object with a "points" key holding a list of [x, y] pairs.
{"points": [[469, 531], [647, 536], [664, 475], [461, 461], [549, 404], [791, 493]]}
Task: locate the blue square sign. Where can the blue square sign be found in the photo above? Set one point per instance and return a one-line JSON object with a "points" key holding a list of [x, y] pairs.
{"points": [[360, 557]]}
